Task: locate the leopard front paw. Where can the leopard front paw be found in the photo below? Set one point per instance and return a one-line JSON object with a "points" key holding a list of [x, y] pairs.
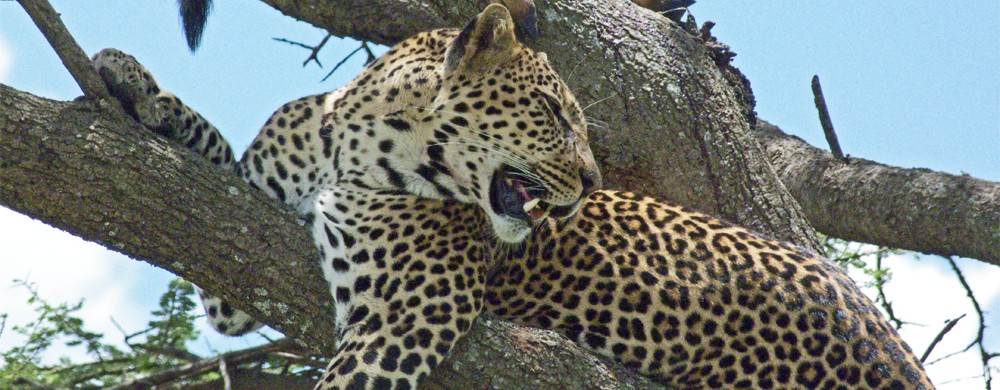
{"points": [[130, 82]]}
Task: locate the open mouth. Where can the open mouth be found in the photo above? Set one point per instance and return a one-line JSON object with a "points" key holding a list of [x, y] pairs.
{"points": [[514, 195]]}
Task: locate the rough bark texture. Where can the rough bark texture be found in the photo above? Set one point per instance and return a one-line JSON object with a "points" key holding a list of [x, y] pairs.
{"points": [[917, 209], [107, 179]]}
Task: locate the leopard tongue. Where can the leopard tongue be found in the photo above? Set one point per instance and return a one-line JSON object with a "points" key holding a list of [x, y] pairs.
{"points": [[520, 190], [536, 213], [530, 204]]}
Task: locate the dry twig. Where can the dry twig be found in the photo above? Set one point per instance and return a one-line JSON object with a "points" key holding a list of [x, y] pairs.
{"points": [[224, 371], [983, 355], [948, 325], [364, 45], [213, 363], [314, 50]]}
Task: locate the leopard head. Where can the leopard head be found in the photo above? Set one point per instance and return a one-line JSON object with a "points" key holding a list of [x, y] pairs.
{"points": [[507, 127]]}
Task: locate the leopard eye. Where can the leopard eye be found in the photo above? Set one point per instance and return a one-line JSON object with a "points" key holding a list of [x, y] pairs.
{"points": [[555, 108]]}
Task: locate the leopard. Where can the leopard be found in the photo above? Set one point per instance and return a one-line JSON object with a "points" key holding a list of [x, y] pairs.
{"points": [[453, 177]]}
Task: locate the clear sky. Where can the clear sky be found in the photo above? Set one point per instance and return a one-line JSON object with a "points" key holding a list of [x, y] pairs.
{"points": [[912, 84]]}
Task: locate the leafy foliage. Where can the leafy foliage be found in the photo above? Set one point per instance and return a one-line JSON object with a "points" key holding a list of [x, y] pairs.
{"points": [[171, 326], [158, 355]]}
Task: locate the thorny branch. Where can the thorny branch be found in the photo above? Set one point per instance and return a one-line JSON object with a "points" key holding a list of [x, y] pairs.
{"points": [[213, 363], [314, 52], [881, 276]]}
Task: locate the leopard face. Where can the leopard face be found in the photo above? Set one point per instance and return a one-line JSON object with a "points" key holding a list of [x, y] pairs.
{"points": [[509, 130], [471, 116]]}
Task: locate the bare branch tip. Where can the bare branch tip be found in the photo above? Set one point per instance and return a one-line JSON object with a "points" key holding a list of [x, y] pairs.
{"points": [[825, 121]]}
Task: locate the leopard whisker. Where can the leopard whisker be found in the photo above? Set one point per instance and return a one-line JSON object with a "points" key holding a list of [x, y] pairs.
{"points": [[596, 102]]}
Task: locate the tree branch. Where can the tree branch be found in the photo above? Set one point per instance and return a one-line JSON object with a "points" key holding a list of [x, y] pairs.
{"points": [[72, 56], [915, 209], [948, 325], [207, 364], [674, 130], [824, 119]]}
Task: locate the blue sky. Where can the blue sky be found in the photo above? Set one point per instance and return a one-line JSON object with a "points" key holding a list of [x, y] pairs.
{"points": [[910, 84]]}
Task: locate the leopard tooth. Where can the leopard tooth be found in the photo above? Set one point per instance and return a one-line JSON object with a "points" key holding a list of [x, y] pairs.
{"points": [[531, 204]]}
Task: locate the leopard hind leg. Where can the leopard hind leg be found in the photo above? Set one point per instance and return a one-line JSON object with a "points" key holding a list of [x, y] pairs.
{"points": [[224, 318]]}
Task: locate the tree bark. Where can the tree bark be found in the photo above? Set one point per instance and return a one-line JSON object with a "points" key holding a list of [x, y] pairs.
{"points": [[107, 179], [917, 209]]}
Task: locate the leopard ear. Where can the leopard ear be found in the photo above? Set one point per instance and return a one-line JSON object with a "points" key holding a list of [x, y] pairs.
{"points": [[487, 41]]}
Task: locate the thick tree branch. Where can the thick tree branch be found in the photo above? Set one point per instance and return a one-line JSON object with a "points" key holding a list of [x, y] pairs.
{"points": [[915, 209], [107, 179]]}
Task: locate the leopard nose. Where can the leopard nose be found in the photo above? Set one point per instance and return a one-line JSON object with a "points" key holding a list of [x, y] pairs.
{"points": [[591, 181]]}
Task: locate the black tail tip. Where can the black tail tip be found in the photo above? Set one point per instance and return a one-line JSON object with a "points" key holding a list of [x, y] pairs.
{"points": [[194, 16]]}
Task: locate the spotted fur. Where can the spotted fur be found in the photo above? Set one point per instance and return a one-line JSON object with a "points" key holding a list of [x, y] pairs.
{"points": [[699, 303]]}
